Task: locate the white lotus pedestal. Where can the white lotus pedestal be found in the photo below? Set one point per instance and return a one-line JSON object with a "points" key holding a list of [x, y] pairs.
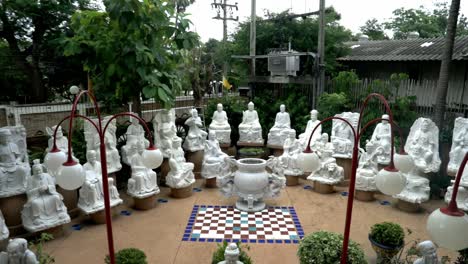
{"points": [[364, 196], [275, 150], [346, 164], [181, 193], [11, 208], [197, 159], [70, 199]]}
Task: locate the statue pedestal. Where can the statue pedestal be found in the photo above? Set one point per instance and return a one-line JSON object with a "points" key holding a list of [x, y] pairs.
{"points": [[346, 164], [211, 183], [144, 203], [292, 180], [364, 196], [197, 159], [275, 150], [70, 199], [164, 171], [323, 188], [100, 216], [11, 208], [182, 192], [408, 207]]}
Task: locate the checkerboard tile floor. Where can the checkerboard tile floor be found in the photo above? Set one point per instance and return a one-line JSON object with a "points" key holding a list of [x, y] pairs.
{"points": [[208, 223]]}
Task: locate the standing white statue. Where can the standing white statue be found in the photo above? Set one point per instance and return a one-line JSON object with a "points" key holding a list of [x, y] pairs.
{"points": [[165, 131], [367, 169], [17, 252], [462, 197], [196, 137], [279, 132], [214, 160], [143, 182], [292, 148], [311, 124], [135, 135], [381, 141], [91, 193], [250, 130], [428, 252], [13, 168], [179, 176], [4, 232], [459, 145], [342, 135], [231, 255], [221, 126], [44, 208]]}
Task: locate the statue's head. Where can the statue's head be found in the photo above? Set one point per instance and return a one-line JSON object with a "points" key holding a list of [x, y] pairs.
{"points": [[5, 135], [292, 133], [212, 135], [251, 106], [37, 167], [331, 166], [324, 137], [59, 131], [22, 131], [135, 121], [91, 156], [231, 254], [282, 108], [314, 115], [425, 125], [16, 249], [219, 107], [386, 118], [427, 248], [176, 143], [194, 112]]}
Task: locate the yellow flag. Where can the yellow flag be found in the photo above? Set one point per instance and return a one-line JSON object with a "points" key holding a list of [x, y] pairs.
{"points": [[226, 84]]}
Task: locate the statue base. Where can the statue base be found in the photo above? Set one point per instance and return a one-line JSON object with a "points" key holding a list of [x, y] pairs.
{"points": [[256, 206], [197, 159], [70, 199], [275, 150], [11, 208], [346, 164], [364, 196], [100, 217], [144, 203], [181, 192], [408, 207], [211, 183], [323, 188], [292, 180], [164, 171]]}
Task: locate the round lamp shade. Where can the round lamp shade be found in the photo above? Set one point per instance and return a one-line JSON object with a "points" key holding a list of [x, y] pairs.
{"points": [[308, 162], [403, 162], [71, 176], [448, 231], [53, 160], [390, 182], [152, 158]]}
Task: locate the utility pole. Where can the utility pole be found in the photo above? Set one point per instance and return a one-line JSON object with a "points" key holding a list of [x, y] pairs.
{"points": [[253, 35], [321, 50]]}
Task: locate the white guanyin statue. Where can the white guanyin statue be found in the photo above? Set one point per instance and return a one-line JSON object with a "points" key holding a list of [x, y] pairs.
{"points": [[459, 145], [329, 172], [17, 252], [4, 232], [91, 193], [44, 208], [196, 137], [250, 130], [61, 140], [214, 161], [165, 131], [311, 124], [427, 251], [14, 169], [367, 169], [143, 182], [135, 135], [221, 126], [277, 179], [381, 141], [279, 132], [322, 144], [462, 196], [291, 150], [342, 135], [179, 176]]}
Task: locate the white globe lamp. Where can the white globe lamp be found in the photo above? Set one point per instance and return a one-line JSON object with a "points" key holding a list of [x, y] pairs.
{"points": [[403, 162], [71, 175], [449, 229], [390, 181], [54, 159], [308, 161], [152, 158]]}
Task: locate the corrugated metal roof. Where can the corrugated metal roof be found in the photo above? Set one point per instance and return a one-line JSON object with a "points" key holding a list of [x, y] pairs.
{"points": [[420, 49]]}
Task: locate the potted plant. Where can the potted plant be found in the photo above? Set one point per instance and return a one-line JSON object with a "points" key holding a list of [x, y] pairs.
{"points": [[129, 256], [325, 247], [218, 255], [251, 153], [387, 239]]}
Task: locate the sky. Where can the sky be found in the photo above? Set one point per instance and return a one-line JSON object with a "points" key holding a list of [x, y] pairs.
{"points": [[353, 13]]}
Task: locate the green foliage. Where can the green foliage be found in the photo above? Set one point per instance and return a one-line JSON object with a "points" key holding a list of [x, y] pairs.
{"points": [[129, 256], [251, 151], [78, 141], [331, 104], [388, 234], [37, 246], [218, 255], [374, 30], [463, 257], [325, 247], [234, 107], [345, 81]]}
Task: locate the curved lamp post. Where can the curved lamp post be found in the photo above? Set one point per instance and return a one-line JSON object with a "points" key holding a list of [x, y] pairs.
{"points": [[389, 180], [71, 175]]}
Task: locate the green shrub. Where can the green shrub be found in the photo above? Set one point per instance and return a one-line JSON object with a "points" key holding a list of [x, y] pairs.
{"points": [[330, 105], [388, 234], [218, 255], [129, 256], [37, 246], [345, 81], [325, 247], [251, 151], [463, 258]]}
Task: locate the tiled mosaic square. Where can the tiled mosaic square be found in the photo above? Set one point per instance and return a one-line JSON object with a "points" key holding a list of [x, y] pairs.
{"points": [[208, 223]]}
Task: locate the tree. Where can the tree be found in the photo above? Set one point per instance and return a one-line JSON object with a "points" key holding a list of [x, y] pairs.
{"points": [[132, 48], [31, 29], [373, 29], [442, 84]]}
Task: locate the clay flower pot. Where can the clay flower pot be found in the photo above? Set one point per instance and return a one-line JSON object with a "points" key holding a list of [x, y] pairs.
{"points": [[385, 253]]}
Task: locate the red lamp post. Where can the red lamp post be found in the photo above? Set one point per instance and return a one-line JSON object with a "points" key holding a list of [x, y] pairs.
{"points": [[71, 175]]}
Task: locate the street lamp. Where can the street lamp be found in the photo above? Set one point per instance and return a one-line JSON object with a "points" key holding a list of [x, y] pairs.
{"points": [[71, 175], [448, 226], [389, 180]]}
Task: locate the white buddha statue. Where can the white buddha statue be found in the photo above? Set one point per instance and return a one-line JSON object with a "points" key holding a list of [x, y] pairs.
{"points": [[91, 193], [179, 176], [13, 169], [291, 150], [143, 182], [135, 135], [277, 180], [279, 132], [61, 140], [17, 252], [428, 252], [381, 141], [112, 154], [329, 172], [342, 135], [196, 137], [250, 130], [459, 145], [165, 131], [367, 169], [214, 160], [221, 126], [322, 144], [44, 208], [311, 124]]}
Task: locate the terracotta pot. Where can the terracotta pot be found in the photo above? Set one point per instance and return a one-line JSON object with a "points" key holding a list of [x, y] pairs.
{"points": [[100, 216], [292, 180], [70, 199], [323, 188], [211, 183], [364, 196], [408, 207], [11, 208], [182, 192], [145, 203], [197, 159], [384, 253]]}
